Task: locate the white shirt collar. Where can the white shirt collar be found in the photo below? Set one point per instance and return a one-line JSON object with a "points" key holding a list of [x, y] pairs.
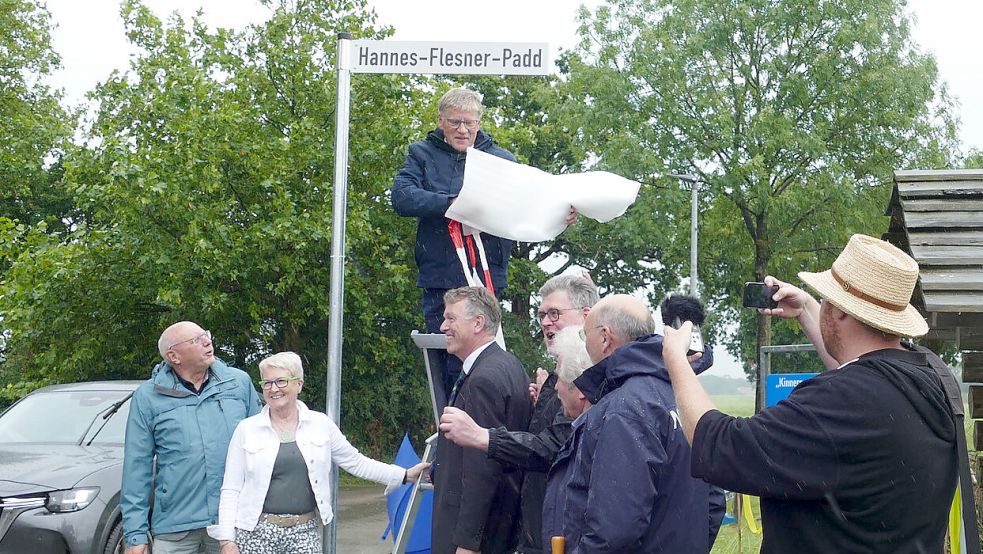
{"points": [[469, 361], [844, 364]]}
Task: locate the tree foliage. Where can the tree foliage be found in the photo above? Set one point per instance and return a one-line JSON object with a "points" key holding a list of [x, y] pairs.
{"points": [[202, 187], [33, 129], [33, 125], [208, 174], [792, 114]]}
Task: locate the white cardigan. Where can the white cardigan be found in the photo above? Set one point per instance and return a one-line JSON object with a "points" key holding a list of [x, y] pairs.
{"points": [[252, 453]]}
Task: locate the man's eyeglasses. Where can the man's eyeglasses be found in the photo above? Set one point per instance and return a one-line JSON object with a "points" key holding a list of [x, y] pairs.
{"points": [[553, 313], [197, 339], [471, 124], [280, 383]]}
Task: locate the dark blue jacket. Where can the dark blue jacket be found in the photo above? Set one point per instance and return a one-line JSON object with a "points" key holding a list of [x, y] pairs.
{"points": [[430, 178], [627, 463]]}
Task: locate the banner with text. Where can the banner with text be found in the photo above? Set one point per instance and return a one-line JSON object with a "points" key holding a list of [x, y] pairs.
{"points": [[779, 385], [460, 58]]}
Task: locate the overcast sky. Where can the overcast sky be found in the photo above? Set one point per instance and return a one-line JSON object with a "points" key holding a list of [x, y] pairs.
{"points": [[89, 36]]}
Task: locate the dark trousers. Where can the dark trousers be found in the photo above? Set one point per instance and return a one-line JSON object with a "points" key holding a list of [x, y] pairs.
{"points": [[433, 313]]}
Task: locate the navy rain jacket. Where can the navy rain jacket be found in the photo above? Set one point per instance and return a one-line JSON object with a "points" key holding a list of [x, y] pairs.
{"points": [[431, 177], [629, 486]]}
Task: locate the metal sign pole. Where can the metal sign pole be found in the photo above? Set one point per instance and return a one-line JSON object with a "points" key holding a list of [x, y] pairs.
{"points": [[337, 287], [694, 184], [376, 56], [694, 281]]}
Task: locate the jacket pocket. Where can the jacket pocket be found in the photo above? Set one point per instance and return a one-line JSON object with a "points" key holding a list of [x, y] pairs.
{"points": [[233, 409], [260, 455], [171, 432]]}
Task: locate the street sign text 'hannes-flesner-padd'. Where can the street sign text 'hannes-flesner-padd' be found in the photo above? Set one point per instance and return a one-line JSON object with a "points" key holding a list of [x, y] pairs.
{"points": [[467, 58]]}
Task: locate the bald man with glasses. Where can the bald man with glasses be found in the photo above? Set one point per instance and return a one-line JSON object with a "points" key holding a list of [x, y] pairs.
{"points": [[183, 417]]}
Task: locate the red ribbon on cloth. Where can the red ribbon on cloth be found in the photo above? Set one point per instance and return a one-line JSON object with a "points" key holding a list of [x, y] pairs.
{"points": [[465, 245]]}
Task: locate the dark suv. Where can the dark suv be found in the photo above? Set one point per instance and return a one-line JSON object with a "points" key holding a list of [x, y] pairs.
{"points": [[61, 462]]}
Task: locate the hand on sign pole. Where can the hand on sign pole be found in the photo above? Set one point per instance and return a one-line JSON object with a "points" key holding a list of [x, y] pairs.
{"points": [[413, 473]]}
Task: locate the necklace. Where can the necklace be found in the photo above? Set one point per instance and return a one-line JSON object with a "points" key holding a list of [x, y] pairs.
{"points": [[286, 436], [285, 433]]}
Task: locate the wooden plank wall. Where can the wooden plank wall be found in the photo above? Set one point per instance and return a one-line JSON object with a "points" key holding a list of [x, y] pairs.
{"points": [[937, 216]]}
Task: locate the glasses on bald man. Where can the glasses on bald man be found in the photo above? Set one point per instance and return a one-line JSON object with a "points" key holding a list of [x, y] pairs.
{"points": [[197, 339]]}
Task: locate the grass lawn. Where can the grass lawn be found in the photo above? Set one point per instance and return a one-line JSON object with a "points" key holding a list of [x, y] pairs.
{"points": [[734, 404], [728, 541]]}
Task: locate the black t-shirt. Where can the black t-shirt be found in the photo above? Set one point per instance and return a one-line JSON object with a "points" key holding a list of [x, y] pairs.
{"points": [[858, 459]]}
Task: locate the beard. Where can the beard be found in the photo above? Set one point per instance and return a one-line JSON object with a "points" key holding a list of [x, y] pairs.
{"points": [[827, 328]]}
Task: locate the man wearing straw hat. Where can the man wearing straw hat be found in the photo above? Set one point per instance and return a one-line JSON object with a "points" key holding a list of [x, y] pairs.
{"points": [[861, 458]]}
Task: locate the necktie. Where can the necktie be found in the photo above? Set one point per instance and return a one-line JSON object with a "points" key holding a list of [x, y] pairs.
{"points": [[456, 389], [450, 402]]}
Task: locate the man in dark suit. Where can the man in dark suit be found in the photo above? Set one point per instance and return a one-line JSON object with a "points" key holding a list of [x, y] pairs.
{"points": [[475, 503]]}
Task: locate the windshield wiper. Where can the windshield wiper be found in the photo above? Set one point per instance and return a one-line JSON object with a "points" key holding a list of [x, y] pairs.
{"points": [[105, 414]]}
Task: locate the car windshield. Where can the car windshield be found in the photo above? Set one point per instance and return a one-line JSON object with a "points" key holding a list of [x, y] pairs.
{"points": [[64, 416]]}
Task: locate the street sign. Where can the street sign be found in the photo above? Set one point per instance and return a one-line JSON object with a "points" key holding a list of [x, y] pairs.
{"points": [[779, 385], [459, 58]]}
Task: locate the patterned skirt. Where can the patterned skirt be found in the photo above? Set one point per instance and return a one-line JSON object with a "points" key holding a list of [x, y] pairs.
{"points": [[267, 538]]}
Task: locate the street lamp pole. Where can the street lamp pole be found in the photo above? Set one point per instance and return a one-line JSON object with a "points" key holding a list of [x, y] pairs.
{"points": [[694, 182]]}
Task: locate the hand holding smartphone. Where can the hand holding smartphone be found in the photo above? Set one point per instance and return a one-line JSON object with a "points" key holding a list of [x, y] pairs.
{"points": [[759, 295]]}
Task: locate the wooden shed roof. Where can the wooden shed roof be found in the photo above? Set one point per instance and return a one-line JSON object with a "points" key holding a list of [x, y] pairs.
{"points": [[937, 217]]}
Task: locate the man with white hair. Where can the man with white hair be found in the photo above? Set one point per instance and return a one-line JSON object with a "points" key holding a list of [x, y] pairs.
{"points": [[861, 458], [181, 422], [428, 183]]}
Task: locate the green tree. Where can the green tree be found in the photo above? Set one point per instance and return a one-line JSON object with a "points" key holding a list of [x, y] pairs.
{"points": [[793, 115], [33, 129], [973, 160], [208, 176], [33, 126]]}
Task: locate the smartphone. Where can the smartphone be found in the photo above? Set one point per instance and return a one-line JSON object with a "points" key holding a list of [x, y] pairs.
{"points": [[695, 337], [759, 295]]}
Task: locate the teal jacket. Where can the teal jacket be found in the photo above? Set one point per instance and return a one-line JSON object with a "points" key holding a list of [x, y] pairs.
{"points": [[189, 435]]}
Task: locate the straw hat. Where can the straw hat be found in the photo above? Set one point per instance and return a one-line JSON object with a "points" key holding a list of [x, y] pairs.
{"points": [[872, 281]]}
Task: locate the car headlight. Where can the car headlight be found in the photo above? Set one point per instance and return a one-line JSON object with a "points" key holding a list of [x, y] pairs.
{"points": [[71, 500], [23, 502]]}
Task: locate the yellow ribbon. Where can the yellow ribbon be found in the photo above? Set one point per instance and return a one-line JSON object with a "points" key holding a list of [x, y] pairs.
{"points": [[955, 520], [955, 523], [749, 515]]}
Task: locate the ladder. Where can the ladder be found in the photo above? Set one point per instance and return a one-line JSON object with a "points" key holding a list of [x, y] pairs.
{"points": [[416, 496]]}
